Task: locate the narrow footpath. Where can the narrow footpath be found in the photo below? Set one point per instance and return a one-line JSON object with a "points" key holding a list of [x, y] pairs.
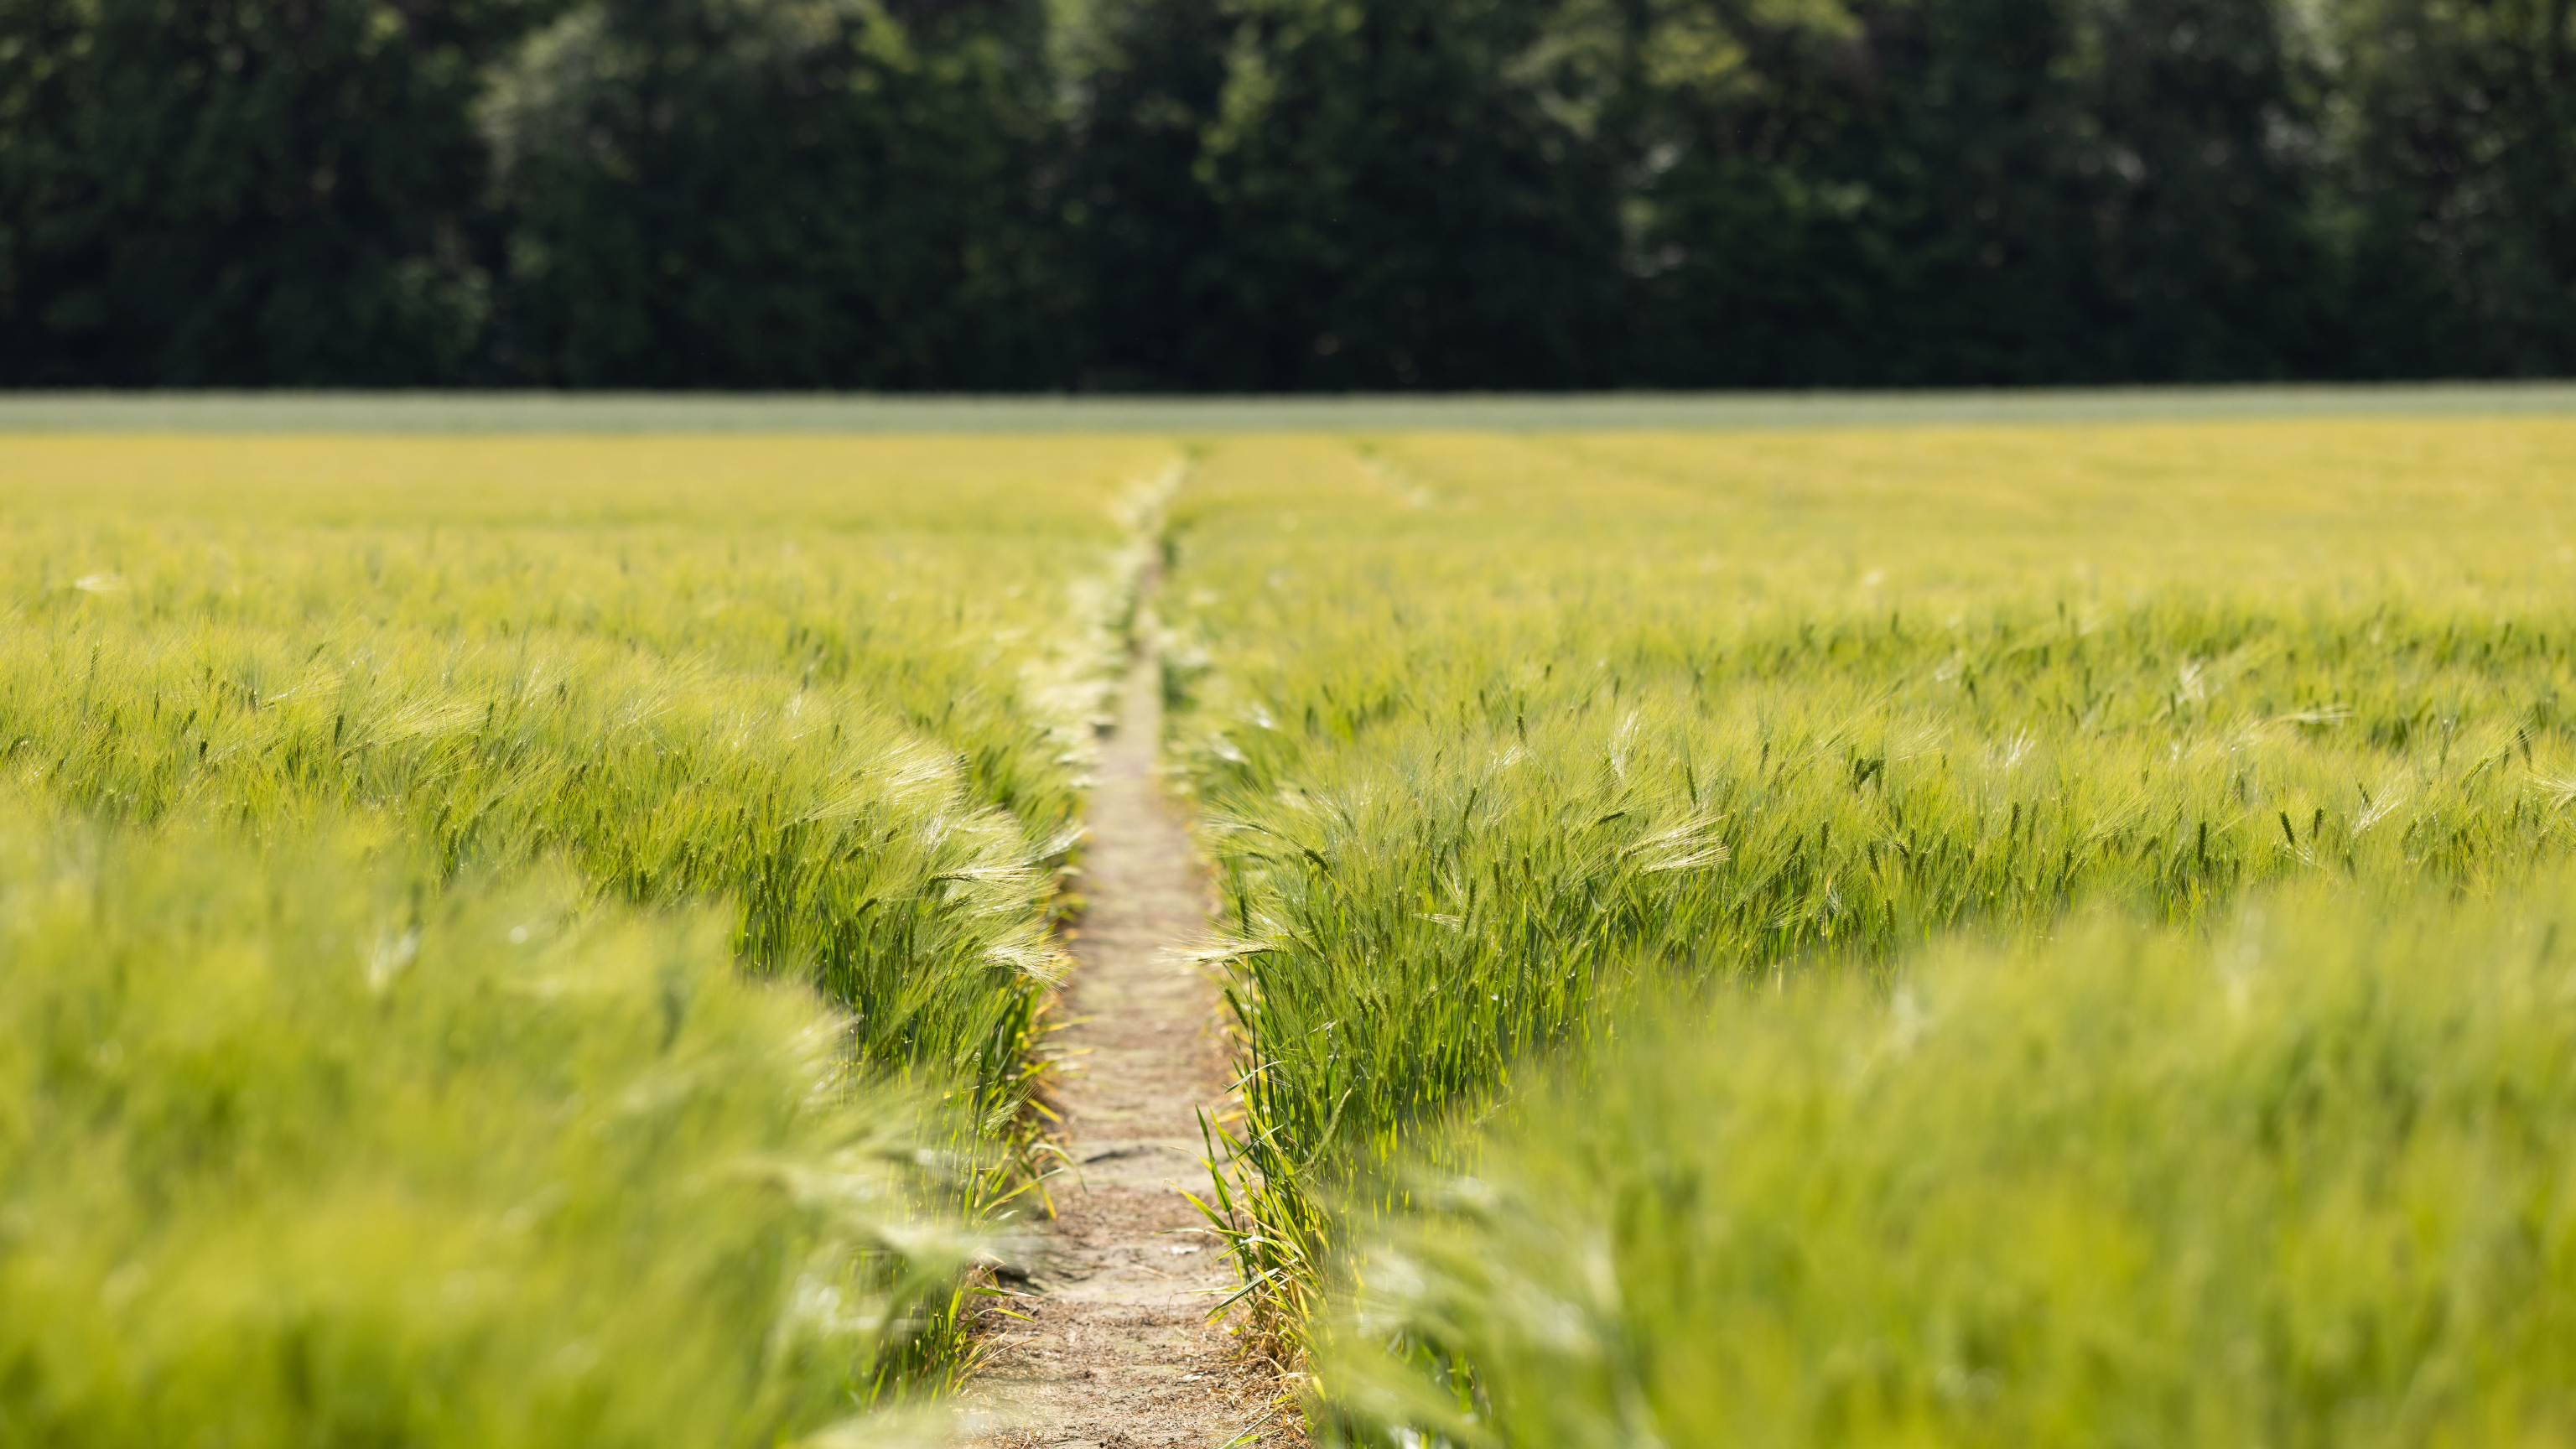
{"points": [[1119, 1352]]}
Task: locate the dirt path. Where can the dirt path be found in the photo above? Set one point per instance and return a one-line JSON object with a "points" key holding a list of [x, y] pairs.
{"points": [[1120, 1352]]}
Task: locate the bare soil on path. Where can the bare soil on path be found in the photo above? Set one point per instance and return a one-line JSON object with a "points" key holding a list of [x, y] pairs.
{"points": [[1118, 1352]]}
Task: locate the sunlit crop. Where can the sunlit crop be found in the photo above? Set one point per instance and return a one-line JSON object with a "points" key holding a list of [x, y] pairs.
{"points": [[1979, 935], [1492, 736], [404, 825], [292, 1154], [2302, 1179]]}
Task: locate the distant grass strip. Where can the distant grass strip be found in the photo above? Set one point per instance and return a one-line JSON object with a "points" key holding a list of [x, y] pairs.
{"points": [[533, 411]]}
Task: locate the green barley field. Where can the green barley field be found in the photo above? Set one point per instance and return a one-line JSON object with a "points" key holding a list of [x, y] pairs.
{"points": [[1973, 921]]}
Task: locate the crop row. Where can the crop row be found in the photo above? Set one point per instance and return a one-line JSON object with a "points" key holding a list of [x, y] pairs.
{"points": [[2302, 1179], [525, 942], [1497, 741]]}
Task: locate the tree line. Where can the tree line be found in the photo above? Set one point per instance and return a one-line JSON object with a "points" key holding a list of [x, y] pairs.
{"points": [[1282, 194]]}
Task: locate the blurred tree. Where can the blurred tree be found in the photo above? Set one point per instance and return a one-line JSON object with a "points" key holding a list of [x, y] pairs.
{"points": [[1379, 194], [1975, 191], [2455, 164], [1151, 243], [1283, 194], [243, 191], [783, 193], [1768, 235], [2209, 252]]}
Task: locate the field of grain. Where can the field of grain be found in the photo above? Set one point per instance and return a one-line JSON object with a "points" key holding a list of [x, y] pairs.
{"points": [[525, 941], [1601, 818], [1974, 931]]}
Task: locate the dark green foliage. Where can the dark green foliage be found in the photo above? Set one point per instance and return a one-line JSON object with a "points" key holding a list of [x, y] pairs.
{"points": [[2459, 180], [1983, 191], [1153, 240], [243, 191], [780, 193], [1283, 194], [1393, 201]]}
